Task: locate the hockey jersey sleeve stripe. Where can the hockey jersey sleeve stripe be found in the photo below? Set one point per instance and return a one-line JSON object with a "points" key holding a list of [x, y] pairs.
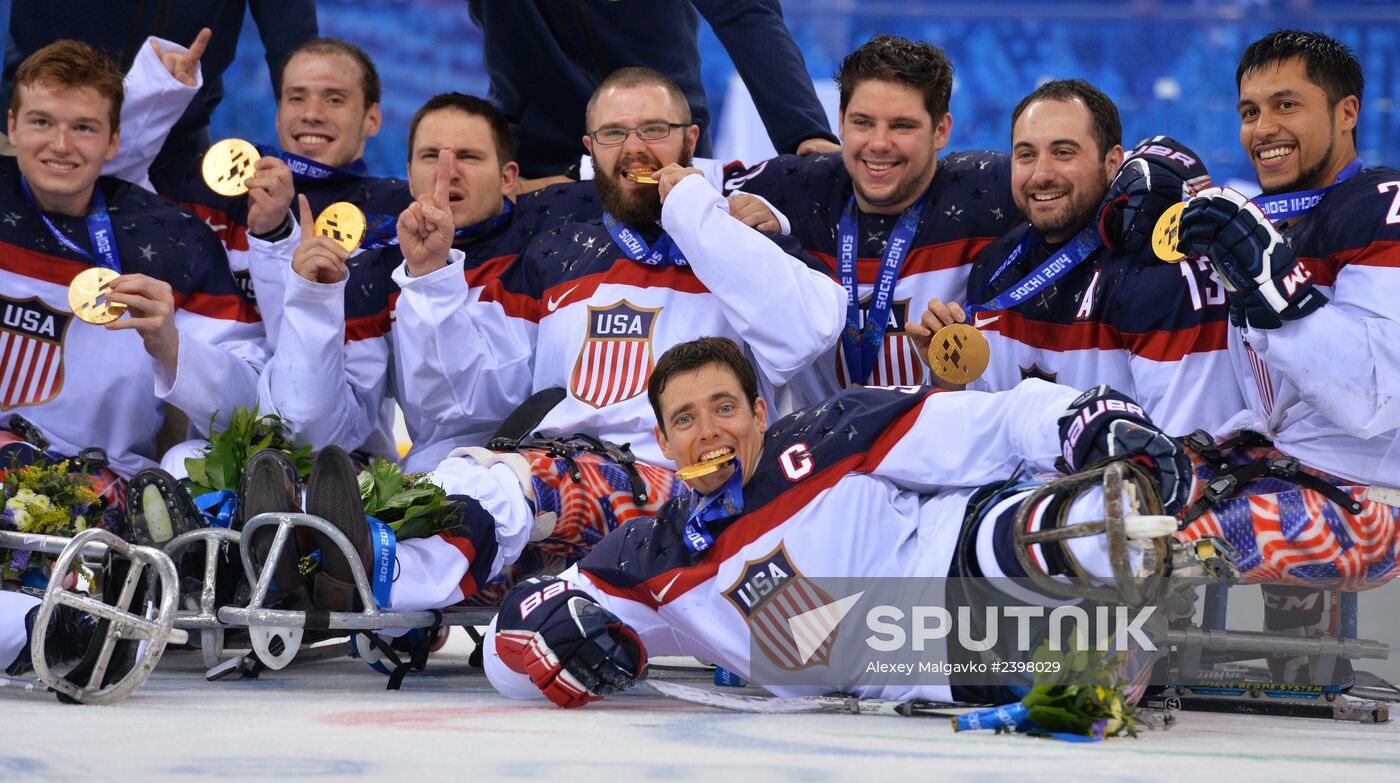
{"points": [[39, 266], [1382, 254], [233, 235], [487, 271], [514, 304], [367, 327], [224, 307], [1171, 345], [753, 525], [930, 258]]}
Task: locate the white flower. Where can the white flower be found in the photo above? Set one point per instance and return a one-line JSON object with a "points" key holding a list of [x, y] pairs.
{"points": [[21, 516], [80, 523]]}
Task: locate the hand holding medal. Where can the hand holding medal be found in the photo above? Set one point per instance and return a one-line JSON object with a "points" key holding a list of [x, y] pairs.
{"points": [[87, 296], [955, 351], [323, 251]]}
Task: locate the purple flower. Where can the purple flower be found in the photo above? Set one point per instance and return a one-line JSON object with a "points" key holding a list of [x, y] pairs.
{"points": [[19, 560]]}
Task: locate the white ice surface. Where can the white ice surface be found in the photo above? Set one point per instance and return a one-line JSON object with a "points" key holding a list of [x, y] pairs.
{"points": [[333, 721]]}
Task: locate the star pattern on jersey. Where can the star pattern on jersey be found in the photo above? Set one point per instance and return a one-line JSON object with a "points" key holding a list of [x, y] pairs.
{"points": [[11, 218], [148, 253], [954, 212], [589, 245], [996, 212]]}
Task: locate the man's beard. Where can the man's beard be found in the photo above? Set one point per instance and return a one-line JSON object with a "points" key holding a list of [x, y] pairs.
{"points": [[639, 208], [1308, 179], [1067, 222]]}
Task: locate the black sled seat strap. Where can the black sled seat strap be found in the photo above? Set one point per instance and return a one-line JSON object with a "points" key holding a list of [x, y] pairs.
{"points": [[525, 418]]}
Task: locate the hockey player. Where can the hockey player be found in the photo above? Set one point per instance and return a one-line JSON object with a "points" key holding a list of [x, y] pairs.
{"points": [[905, 462], [1056, 301], [1310, 274], [189, 340], [887, 215]]}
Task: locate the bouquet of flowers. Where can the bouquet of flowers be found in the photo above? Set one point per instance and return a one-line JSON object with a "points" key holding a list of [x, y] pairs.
{"points": [[45, 499], [407, 502], [229, 449]]}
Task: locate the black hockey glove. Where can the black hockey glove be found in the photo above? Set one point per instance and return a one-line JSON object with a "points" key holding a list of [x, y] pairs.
{"points": [[1102, 424], [572, 649], [1159, 172], [1264, 283]]}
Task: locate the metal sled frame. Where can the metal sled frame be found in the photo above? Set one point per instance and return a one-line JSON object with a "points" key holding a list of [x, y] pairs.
{"points": [[123, 625], [275, 634]]}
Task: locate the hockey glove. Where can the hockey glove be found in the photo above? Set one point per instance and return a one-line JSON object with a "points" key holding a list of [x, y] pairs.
{"points": [[1102, 424], [1264, 283], [572, 649], [1158, 173]]}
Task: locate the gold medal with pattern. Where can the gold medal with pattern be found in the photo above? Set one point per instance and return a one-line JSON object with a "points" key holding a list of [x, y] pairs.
{"points": [[344, 223], [642, 176], [228, 165], [87, 296], [704, 467], [958, 354], [1167, 234]]}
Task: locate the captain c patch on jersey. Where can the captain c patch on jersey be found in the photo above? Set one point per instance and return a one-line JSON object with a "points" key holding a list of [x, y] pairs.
{"points": [[777, 600], [615, 361], [31, 352]]}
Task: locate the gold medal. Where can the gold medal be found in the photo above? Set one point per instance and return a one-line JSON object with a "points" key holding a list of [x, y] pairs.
{"points": [[704, 467], [228, 164], [1167, 233], [86, 295], [958, 354], [642, 176], [344, 223]]}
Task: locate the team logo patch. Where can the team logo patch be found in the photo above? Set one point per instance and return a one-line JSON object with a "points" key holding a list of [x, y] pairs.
{"points": [[1036, 371], [615, 361], [897, 363], [778, 603], [31, 352]]}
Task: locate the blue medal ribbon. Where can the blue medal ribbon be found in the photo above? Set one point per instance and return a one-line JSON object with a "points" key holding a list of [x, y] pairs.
{"points": [[860, 345], [306, 168], [218, 507], [727, 501], [1053, 268], [1284, 206], [383, 230], [664, 253], [1007, 716], [99, 226], [385, 543]]}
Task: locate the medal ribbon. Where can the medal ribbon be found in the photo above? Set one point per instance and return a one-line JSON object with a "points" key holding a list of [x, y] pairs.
{"points": [[727, 501], [1053, 268], [1284, 206], [99, 226], [383, 230], [306, 168], [861, 345], [665, 253], [385, 543]]}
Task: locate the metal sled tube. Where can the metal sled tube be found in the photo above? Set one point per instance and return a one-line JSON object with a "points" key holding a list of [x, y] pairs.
{"points": [[1269, 644], [285, 522], [353, 621], [52, 545]]}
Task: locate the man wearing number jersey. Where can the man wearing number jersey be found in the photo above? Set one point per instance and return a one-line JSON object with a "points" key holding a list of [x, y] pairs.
{"points": [[888, 220], [188, 340], [1312, 274], [1059, 300]]}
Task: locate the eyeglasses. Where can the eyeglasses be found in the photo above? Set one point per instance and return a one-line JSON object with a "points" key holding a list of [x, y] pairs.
{"points": [[652, 131]]}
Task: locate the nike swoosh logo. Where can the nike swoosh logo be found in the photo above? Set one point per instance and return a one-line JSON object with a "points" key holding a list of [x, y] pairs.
{"points": [[553, 303], [661, 596], [978, 323]]}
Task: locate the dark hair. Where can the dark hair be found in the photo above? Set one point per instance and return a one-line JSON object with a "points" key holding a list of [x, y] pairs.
{"points": [[369, 75], [695, 354], [1330, 63], [637, 76], [1108, 129], [473, 107], [890, 58], [70, 64]]}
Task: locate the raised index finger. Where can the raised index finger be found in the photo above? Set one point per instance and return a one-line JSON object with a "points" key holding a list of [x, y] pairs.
{"points": [[308, 223], [443, 178], [201, 42]]}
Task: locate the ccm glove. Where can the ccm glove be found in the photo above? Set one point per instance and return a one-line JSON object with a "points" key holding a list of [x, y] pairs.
{"points": [[571, 648], [1264, 283], [1158, 173], [1102, 424]]}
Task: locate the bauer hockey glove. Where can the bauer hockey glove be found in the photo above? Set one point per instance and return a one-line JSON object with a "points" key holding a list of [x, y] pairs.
{"points": [[1102, 424], [572, 649], [1264, 283], [1159, 172]]}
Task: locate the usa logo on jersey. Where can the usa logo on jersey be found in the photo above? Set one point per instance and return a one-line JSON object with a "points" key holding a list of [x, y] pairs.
{"points": [[769, 593], [897, 362], [615, 361], [31, 352]]}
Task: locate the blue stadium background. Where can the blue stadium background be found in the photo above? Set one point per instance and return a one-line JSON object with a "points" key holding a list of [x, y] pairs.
{"points": [[1169, 64]]}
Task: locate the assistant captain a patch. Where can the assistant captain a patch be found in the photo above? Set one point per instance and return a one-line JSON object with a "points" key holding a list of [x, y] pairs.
{"points": [[770, 593], [615, 361], [31, 352]]}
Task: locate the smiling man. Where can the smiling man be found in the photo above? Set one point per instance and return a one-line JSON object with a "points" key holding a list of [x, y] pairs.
{"points": [[893, 495], [887, 214], [1056, 302], [188, 340]]}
